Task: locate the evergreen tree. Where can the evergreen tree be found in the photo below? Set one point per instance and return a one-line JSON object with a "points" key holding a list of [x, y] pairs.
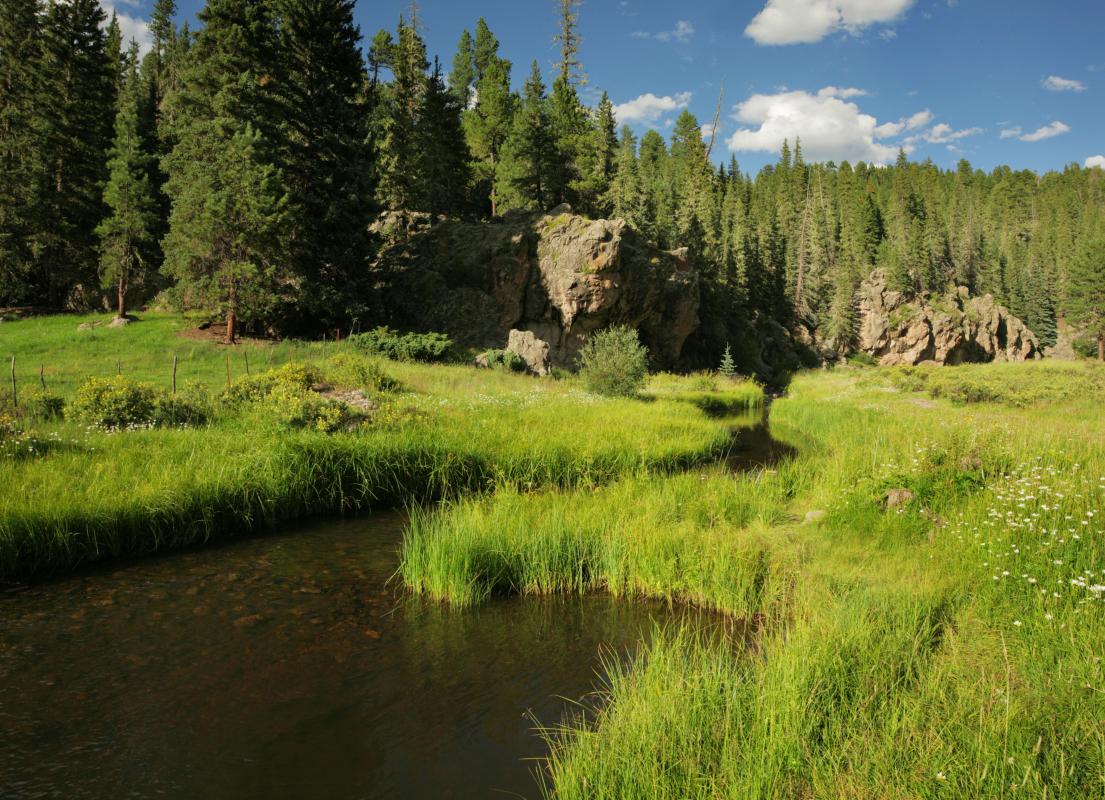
{"points": [[445, 156], [463, 76], [402, 184], [528, 160], [597, 161], [728, 368], [21, 142], [489, 122], [1086, 289], [568, 39], [625, 198], [227, 193], [128, 233], [326, 161], [79, 78]]}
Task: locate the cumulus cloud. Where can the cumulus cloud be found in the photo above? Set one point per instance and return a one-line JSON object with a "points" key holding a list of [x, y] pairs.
{"points": [[682, 33], [648, 108], [943, 133], [828, 125], [1095, 161], [891, 129], [1054, 83], [131, 26], [1046, 132], [807, 21], [1009, 133]]}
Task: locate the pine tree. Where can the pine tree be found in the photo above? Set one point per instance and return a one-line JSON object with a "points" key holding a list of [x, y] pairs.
{"points": [[445, 156], [489, 122], [528, 159], [597, 161], [402, 184], [326, 163], [21, 143], [226, 226], [463, 76], [568, 39], [625, 198], [79, 79], [1086, 289], [728, 368], [128, 233]]}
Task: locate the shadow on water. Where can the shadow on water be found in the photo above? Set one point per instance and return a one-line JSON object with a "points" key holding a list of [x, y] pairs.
{"points": [[289, 666], [752, 446]]}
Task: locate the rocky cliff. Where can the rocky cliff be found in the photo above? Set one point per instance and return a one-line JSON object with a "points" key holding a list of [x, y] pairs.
{"points": [[556, 277], [953, 328]]}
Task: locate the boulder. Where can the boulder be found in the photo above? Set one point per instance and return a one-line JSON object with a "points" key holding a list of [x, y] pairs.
{"points": [[952, 328], [557, 276], [534, 351], [119, 322]]}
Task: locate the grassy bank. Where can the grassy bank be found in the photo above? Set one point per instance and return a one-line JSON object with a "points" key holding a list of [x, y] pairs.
{"points": [[947, 646], [73, 494]]}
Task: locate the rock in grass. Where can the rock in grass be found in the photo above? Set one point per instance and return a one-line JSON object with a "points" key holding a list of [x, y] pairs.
{"points": [[120, 322], [814, 516], [896, 498], [532, 350]]}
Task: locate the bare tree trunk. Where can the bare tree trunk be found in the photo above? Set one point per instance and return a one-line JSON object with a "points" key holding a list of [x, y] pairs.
{"points": [[1101, 347], [122, 289], [231, 314]]}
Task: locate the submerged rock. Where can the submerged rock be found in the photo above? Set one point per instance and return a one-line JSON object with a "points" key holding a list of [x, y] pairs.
{"points": [[953, 328], [556, 276]]}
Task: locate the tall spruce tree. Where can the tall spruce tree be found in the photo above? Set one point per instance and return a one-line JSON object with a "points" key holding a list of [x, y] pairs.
{"points": [[326, 165], [462, 78], [524, 174], [78, 76], [445, 158], [226, 227], [128, 234], [625, 198], [1086, 288], [488, 123], [21, 144], [402, 183]]}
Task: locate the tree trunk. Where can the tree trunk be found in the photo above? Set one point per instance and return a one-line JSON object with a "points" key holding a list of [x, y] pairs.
{"points": [[122, 289], [1101, 347], [231, 314]]}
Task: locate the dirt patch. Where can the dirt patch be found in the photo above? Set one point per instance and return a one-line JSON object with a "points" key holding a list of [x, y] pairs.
{"points": [[216, 332]]}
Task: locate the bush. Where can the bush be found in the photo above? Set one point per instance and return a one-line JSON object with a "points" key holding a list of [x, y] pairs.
{"points": [[385, 342], [113, 403], [41, 404], [357, 371], [293, 406], [253, 388], [614, 362], [506, 360], [704, 382], [190, 406]]}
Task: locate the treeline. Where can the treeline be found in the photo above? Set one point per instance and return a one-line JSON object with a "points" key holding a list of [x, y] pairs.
{"points": [[240, 166]]}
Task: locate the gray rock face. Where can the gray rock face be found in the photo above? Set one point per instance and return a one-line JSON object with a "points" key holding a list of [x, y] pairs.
{"points": [[557, 276], [950, 329], [534, 351]]}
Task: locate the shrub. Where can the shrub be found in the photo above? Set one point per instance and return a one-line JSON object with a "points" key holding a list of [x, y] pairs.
{"points": [[385, 342], [293, 406], [113, 403], [190, 406], [614, 362], [506, 360], [704, 382], [253, 388], [42, 404], [353, 370]]}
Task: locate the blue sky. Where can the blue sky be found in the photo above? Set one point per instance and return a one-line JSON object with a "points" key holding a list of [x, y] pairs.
{"points": [[1016, 82]]}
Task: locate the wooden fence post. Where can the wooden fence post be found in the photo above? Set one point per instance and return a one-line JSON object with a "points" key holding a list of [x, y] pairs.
{"points": [[228, 369], [174, 373], [42, 376], [245, 356], [15, 395]]}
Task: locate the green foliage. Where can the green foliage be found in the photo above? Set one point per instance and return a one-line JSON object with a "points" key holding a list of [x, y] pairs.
{"points": [[192, 405], [1086, 290], [41, 405], [1012, 385], [386, 342], [288, 378], [358, 371], [113, 403], [506, 360], [728, 368], [290, 405], [614, 362]]}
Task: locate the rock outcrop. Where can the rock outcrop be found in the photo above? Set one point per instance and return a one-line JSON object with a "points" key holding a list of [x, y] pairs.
{"points": [[552, 278], [953, 328]]}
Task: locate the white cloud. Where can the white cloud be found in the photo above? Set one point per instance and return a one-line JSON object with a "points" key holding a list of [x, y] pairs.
{"points": [[889, 129], [1009, 133], [888, 34], [648, 108], [919, 120], [132, 27], [1095, 161], [942, 133], [1056, 84], [829, 127], [1046, 132], [682, 33], [834, 91], [806, 21]]}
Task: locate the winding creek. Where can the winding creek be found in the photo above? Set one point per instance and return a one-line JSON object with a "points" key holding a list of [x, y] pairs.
{"points": [[292, 665]]}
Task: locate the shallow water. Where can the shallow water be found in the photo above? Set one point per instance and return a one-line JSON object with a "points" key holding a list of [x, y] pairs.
{"points": [[288, 666]]}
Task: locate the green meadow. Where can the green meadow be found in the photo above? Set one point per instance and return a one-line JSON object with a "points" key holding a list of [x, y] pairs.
{"points": [[921, 582]]}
